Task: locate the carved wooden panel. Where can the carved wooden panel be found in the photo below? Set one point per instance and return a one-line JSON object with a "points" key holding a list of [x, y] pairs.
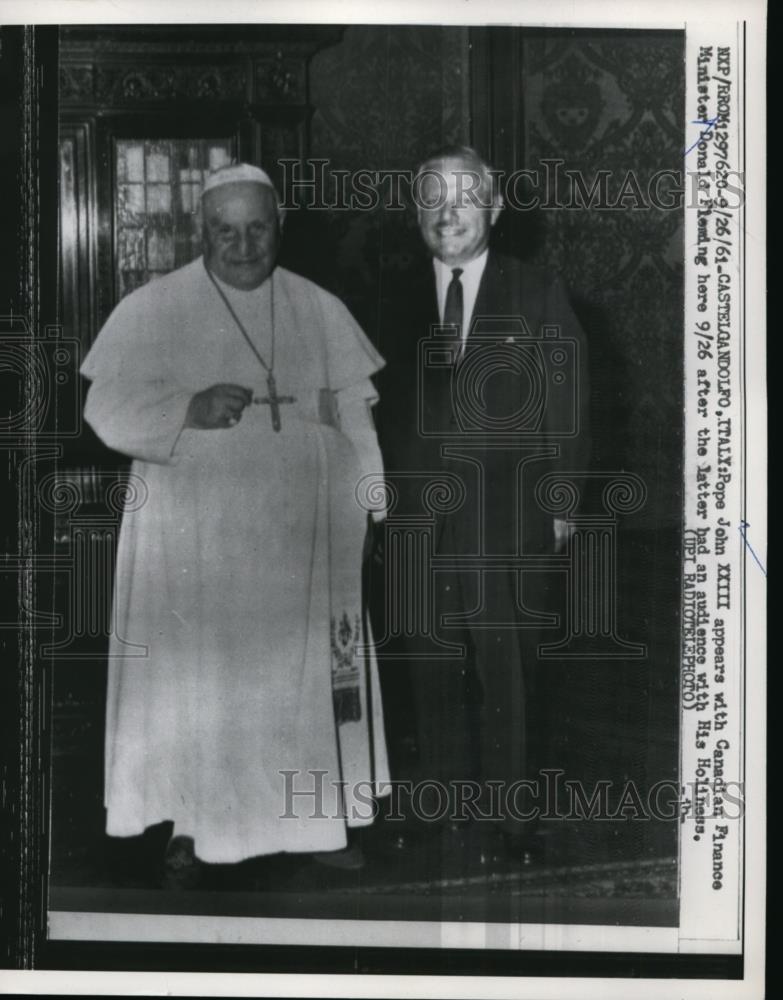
{"points": [[127, 67], [280, 78], [77, 231], [116, 85], [86, 505]]}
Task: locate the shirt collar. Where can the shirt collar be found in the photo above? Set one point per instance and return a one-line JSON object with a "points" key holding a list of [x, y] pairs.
{"points": [[472, 269]]}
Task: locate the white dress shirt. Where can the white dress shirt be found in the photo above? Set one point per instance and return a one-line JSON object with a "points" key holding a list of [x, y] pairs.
{"points": [[470, 280]]}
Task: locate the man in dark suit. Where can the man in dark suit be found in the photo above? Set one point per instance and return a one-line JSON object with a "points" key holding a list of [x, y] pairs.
{"points": [[486, 387]]}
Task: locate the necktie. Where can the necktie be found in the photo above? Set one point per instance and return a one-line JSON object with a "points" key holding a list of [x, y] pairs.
{"points": [[452, 314]]}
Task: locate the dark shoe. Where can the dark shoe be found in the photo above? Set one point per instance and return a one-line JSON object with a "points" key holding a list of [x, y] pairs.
{"points": [[349, 859], [181, 867]]}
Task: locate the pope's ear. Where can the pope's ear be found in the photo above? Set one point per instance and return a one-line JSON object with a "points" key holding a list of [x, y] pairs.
{"points": [[280, 218], [497, 208]]}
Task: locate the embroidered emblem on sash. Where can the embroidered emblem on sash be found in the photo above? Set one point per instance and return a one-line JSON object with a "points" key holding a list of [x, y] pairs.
{"points": [[345, 669]]}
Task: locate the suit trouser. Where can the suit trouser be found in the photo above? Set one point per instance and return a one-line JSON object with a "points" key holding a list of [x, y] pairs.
{"points": [[473, 711]]}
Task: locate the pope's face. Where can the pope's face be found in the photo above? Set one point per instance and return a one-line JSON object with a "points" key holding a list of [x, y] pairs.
{"points": [[456, 228], [241, 233]]}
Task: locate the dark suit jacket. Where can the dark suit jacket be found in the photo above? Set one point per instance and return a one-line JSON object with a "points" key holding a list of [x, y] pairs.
{"points": [[523, 396]]}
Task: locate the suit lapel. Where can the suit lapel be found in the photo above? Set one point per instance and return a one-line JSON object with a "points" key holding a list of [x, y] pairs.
{"points": [[492, 291]]}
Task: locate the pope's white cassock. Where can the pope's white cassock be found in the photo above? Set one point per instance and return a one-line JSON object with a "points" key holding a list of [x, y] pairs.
{"points": [[241, 571]]}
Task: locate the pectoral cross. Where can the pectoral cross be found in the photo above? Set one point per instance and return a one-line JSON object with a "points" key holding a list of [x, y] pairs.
{"points": [[274, 400]]}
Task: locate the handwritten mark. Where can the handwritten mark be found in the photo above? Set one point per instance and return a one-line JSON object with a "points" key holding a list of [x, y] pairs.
{"points": [[710, 123], [742, 527]]}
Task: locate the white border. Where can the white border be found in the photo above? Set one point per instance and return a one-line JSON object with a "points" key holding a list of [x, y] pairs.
{"points": [[144, 927], [402, 986], [531, 13]]}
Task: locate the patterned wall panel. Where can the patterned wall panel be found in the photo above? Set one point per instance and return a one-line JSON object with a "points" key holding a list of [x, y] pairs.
{"points": [[383, 98], [616, 103]]}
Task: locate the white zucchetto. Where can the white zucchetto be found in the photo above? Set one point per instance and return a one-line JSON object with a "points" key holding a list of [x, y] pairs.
{"points": [[235, 174]]}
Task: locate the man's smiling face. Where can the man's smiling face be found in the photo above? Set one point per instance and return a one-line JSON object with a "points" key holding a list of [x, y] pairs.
{"points": [[455, 210], [241, 233]]}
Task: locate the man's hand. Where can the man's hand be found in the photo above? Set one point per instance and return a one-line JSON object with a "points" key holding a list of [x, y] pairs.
{"points": [[217, 407]]}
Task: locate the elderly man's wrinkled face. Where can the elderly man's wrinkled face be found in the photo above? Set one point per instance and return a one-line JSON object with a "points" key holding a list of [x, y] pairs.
{"points": [[241, 233], [455, 212]]}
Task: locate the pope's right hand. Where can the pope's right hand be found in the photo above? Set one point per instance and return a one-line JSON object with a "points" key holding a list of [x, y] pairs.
{"points": [[218, 407]]}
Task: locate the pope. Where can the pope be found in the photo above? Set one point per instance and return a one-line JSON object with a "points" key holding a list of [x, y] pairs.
{"points": [[240, 666]]}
